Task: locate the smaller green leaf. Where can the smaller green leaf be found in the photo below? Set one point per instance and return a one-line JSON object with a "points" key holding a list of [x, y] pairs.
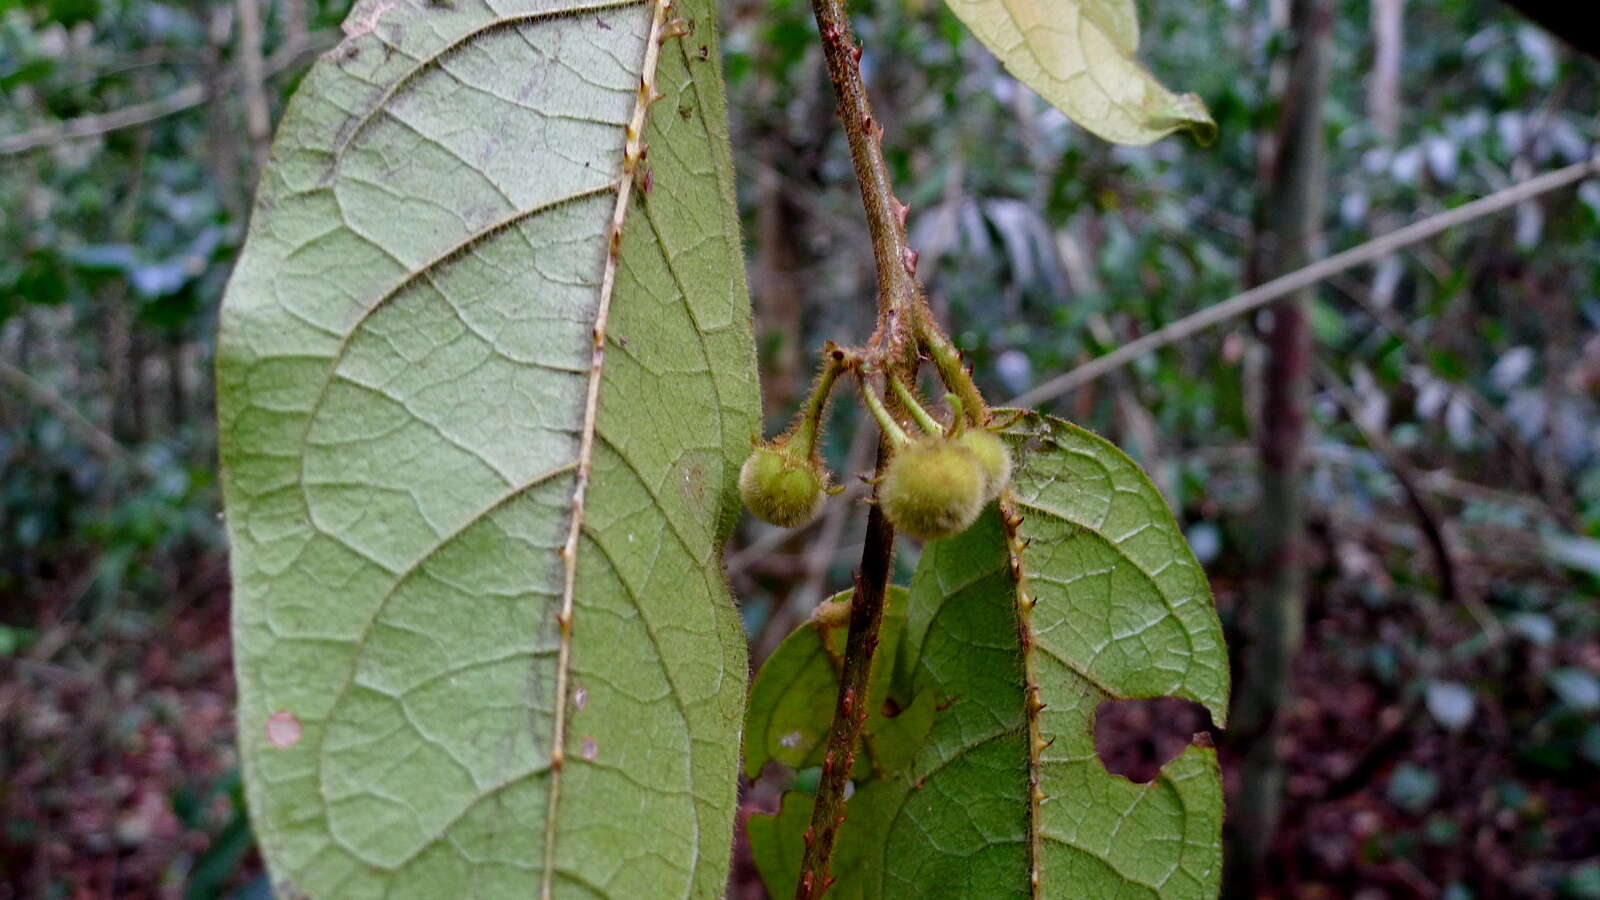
{"points": [[1079, 55], [792, 700], [1019, 633], [777, 843]]}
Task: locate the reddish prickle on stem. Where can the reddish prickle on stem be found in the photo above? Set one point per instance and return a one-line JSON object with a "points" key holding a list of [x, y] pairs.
{"points": [[675, 28], [909, 258]]}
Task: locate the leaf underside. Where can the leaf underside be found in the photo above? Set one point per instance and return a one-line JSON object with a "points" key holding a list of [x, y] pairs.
{"points": [[1079, 56], [1122, 610], [405, 365]]}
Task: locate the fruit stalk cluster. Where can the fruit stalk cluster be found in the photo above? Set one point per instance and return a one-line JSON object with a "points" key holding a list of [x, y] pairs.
{"points": [[938, 476]]}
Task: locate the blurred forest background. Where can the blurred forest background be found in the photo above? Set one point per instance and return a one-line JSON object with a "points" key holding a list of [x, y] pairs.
{"points": [[1438, 733]]}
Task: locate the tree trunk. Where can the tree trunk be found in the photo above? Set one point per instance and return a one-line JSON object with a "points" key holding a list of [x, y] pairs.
{"points": [[177, 391], [1383, 90], [221, 136], [1383, 108], [116, 348], [1290, 218], [138, 395]]}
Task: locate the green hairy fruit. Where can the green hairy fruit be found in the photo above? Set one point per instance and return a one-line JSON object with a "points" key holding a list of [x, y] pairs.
{"points": [[933, 488], [992, 456], [780, 488]]}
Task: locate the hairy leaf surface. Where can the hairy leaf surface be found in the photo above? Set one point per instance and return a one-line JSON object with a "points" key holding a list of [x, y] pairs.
{"points": [[1079, 55], [1110, 604], [479, 449]]}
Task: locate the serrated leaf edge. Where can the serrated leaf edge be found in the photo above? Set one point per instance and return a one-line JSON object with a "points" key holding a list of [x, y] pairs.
{"points": [[1010, 520]]}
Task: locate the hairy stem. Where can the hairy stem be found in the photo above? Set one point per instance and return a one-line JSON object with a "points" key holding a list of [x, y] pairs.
{"points": [[808, 424], [893, 434], [899, 296], [891, 352], [923, 418], [850, 708], [947, 359]]}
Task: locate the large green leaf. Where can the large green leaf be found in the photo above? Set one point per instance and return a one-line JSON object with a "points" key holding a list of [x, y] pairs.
{"points": [[1079, 55], [479, 456], [1111, 604]]}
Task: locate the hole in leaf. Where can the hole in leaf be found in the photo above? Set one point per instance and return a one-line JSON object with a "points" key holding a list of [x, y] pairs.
{"points": [[1135, 738]]}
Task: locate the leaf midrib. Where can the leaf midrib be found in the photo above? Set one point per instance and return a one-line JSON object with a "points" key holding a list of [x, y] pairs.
{"points": [[633, 135], [1115, 546]]}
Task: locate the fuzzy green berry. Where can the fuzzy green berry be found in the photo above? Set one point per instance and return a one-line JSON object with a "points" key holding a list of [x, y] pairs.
{"points": [[779, 487], [992, 456], [933, 488]]}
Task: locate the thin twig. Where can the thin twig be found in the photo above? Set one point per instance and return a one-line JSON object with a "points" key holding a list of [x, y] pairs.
{"points": [[98, 440], [1429, 521], [1525, 456], [257, 119], [88, 126], [286, 57], [891, 352], [1287, 285]]}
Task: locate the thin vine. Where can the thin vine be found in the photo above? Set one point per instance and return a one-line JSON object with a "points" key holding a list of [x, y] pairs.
{"points": [[905, 335]]}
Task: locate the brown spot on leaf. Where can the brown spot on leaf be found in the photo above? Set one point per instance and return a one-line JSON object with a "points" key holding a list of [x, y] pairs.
{"points": [[694, 483], [283, 730], [363, 21]]}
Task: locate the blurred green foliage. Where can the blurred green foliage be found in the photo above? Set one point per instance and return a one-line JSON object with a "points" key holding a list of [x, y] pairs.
{"points": [[1043, 248]]}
